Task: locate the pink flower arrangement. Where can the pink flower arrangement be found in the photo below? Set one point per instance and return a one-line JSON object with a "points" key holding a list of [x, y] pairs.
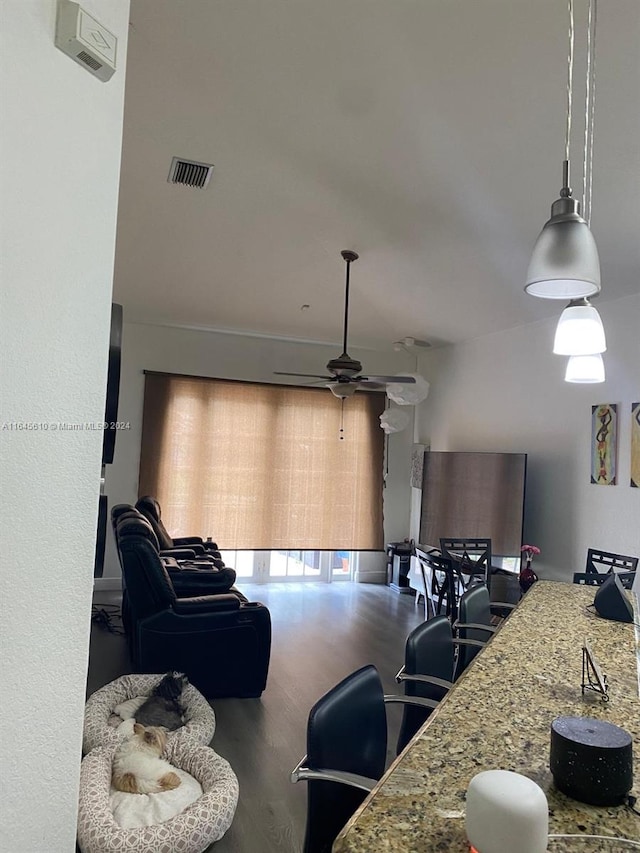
{"points": [[530, 551]]}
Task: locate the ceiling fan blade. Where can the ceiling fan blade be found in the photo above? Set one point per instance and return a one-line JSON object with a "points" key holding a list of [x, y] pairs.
{"points": [[389, 380], [306, 375], [372, 386]]}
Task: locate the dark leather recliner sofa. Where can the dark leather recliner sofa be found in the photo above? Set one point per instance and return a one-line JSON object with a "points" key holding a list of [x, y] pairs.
{"points": [[190, 573], [221, 641], [150, 508]]}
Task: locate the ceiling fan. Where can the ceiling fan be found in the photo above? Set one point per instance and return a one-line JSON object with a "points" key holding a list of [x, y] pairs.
{"points": [[345, 372]]}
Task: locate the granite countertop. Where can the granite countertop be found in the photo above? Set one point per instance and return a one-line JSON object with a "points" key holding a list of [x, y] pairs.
{"points": [[499, 716]]}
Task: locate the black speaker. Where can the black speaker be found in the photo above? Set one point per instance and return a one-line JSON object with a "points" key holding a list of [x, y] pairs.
{"points": [[611, 602], [113, 386], [591, 760]]}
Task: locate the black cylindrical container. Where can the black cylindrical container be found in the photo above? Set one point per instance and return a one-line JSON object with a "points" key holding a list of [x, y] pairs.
{"points": [[591, 760]]}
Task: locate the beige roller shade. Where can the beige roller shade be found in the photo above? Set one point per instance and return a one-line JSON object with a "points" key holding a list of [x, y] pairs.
{"points": [[260, 466]]}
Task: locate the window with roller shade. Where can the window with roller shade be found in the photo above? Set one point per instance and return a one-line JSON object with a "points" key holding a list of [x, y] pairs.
{"points": [[263, 466]]}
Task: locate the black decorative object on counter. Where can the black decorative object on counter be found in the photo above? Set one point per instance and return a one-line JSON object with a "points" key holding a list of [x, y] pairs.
{"points": [[591, 760], [611, 601]]}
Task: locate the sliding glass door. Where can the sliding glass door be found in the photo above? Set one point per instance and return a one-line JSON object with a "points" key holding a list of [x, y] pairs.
{"points": [[271, 566]]}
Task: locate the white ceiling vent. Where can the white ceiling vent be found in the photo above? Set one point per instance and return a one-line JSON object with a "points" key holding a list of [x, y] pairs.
{"points": [[189, 173]]}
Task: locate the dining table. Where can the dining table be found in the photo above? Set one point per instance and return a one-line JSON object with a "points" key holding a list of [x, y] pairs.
{"points": [[498, 715]]}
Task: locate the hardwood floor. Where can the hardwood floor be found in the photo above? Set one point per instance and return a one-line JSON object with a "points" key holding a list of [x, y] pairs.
{"points": [[321, 633]]}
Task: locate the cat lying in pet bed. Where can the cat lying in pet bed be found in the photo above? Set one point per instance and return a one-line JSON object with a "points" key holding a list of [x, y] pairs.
{"points": [[137, 765], [129, 693], [164, 707], [186, 818]]}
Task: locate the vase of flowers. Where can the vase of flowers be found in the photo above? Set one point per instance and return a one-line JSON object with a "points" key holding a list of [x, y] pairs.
{"points": [[527, 576]]}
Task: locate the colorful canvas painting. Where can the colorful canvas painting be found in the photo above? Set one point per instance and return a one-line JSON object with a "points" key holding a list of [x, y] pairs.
{"points": [[604, 441], [635, 445]]}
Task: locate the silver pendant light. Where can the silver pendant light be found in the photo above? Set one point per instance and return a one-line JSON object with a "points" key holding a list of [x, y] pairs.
{"points": [[564, 263]]}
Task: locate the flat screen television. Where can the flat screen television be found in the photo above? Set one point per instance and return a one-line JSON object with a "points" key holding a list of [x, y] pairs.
{"points": [[468, 494]]}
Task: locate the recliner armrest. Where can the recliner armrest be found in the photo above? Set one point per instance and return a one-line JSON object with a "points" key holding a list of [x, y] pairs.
{"points": [[197, 547], [209, 547], [178, 553], [188, 540], [206, 604]]}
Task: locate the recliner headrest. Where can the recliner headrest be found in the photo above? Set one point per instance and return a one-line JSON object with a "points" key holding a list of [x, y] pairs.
{"points": [[150, 508], [136, 525], [148, 504], [119, 510]]}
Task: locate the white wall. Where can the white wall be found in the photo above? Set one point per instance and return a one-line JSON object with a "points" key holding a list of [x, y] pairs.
{"points": [[60, 141], [231, 356], [505, 392]]}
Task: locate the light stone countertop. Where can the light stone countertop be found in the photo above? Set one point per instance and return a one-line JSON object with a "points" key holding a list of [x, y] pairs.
{"points": [[499, 715]]}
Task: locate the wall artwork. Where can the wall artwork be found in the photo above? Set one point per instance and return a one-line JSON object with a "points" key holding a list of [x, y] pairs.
{"points": [[604, 444], [635, 445]]}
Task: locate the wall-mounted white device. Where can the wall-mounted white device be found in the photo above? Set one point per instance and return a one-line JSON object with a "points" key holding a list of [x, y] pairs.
{"points": [[85, 40]]}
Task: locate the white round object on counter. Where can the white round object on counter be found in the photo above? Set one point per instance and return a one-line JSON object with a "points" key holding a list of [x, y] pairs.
{"points": [[505, 812]]}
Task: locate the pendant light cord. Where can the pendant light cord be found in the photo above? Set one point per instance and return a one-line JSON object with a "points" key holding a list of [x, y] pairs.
{"points": [[569, 82], [590, 106]]}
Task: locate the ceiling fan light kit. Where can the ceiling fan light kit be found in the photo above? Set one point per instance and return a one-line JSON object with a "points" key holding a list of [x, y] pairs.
{"points": [[342, 390], [565, 262]]}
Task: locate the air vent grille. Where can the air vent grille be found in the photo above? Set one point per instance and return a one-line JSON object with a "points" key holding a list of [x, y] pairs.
{"points": [[189, 173], [85, 57]]}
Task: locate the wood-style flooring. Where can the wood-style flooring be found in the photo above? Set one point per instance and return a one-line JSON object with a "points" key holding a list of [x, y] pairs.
{"points": [[321, 633]]}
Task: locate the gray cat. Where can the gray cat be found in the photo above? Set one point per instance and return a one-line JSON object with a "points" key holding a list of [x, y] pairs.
{"points": [[164, 707]]}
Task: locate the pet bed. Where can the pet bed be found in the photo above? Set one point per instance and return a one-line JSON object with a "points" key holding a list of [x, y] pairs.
{"points": [[192, 830], [100, 722]]}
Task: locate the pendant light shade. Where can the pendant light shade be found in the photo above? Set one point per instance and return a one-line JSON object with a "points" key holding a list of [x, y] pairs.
{"points": [[585, 369], [579, 330], [564, 263]]}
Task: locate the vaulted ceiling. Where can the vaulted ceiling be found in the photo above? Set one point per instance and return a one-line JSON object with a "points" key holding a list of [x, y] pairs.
{"points": [[427, 135]]}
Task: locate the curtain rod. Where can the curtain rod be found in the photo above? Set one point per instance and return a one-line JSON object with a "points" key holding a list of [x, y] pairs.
{"points": [[248, 381]]}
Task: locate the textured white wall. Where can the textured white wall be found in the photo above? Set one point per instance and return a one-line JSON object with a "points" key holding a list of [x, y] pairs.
{"points": [[505, 392], [239, 357], [61, 137]]}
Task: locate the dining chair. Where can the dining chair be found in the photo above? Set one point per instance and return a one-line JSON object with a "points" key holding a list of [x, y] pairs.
{"points": [[438, 582], [475, 625], [470, 558], [346, 753], [427, 672], [601, 563]]}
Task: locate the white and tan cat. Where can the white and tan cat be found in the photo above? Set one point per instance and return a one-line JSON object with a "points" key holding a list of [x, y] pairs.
{"points": [[137, 766]]}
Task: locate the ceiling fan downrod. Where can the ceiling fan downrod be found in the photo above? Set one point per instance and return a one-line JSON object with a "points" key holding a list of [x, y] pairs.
{"points": [[349, 256]]}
